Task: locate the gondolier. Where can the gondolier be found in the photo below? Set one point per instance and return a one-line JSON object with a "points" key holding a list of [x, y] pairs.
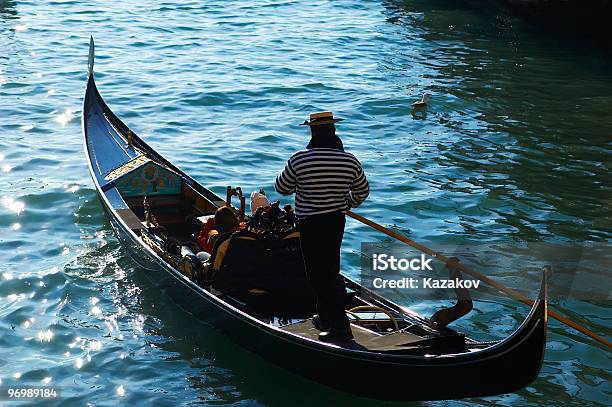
{"points": [[327, 182]]}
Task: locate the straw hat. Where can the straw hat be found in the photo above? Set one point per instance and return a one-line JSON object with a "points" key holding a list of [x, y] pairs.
{"points": [[317, 119]]}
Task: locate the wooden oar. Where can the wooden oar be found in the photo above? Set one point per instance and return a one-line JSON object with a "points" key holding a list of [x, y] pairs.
{"points": [[512, 293]]}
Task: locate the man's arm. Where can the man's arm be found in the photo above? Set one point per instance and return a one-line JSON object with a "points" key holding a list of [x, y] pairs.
{"points": [[286, 181], [359, 190]]}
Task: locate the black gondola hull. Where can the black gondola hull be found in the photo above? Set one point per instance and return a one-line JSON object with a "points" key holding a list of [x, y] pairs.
{"points": [[422, 379]]}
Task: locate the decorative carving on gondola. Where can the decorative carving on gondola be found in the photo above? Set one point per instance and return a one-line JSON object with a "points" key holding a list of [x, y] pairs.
{"points": [[445, 316], [143, 176], [150, 220]]}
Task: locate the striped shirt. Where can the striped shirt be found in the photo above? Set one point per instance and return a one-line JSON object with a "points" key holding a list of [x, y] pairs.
{"points": [[324, 180]]}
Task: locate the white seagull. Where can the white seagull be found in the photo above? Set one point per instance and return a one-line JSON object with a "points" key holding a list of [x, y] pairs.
{"points": [[421, 104]]}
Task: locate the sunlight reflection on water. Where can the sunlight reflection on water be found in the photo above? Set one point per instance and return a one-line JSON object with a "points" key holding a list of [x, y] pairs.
{"points": [[65, 117], [13, 205]]}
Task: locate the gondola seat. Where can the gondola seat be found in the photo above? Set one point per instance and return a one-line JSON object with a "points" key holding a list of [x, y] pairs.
{"points": [[245, 264]]}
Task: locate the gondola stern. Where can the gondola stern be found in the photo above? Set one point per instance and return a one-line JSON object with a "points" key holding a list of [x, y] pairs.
{"points": [[532, 337], [543, 312], [538, 315], [522, 352]]}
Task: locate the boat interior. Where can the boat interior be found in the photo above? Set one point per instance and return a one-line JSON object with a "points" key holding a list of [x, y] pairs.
{"points": [[161, 205]]}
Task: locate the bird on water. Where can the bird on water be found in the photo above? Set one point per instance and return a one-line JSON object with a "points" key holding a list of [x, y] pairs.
{"points": [[422, 104]]}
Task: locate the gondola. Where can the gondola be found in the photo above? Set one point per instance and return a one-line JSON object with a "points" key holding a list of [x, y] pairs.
{"points": [[396, 355]]}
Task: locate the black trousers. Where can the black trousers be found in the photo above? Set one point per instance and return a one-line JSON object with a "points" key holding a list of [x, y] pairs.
{"points": [[320, 239]]}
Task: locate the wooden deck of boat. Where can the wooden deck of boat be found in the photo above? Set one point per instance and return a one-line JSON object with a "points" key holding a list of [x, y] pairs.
{"points": [[364, 338]]}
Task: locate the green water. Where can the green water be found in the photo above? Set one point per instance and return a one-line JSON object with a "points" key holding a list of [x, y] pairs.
{"points": [[516, 148]]}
